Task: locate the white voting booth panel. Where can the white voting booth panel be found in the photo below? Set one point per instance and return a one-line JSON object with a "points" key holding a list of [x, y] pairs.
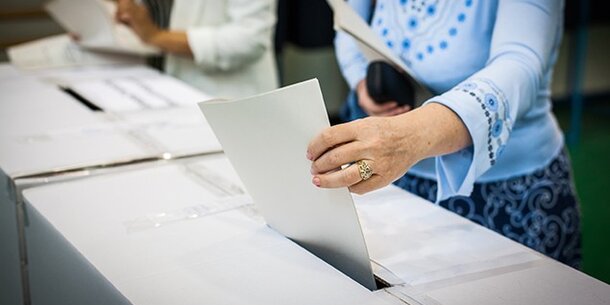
{"points": [[183, 234], [431, 256]]}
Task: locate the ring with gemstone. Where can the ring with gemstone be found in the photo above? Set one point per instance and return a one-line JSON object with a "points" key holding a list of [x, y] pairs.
{"points": [[365, 170]]}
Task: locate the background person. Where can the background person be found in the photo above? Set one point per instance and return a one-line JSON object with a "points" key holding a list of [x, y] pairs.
{"points": [[223, 47]]}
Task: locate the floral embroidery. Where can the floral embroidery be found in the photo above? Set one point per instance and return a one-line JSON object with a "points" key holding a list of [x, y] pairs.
{"points": [[495, 108]]}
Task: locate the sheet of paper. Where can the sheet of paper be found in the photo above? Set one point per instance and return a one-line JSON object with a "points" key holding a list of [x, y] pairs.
{"points": [[60, 51], [265, 138], [94, 22], [124, 94], [369, 43]]}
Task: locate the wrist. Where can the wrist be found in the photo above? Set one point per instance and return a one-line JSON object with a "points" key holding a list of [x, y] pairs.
{"points": [[437, 130], [152, 35], [411, 138]]}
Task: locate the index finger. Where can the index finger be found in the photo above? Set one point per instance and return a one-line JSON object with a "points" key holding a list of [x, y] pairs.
{"points": [[329, 138]]}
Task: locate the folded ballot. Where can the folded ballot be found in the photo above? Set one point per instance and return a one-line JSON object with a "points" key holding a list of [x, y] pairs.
{"points": [[371, 46], [265, 138], [93, 21]]}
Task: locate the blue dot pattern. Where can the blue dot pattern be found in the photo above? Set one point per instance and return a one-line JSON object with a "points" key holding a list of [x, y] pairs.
{"points": [[461, 17], [494, 106], [419, 16], [491, 102], [412, 23]]}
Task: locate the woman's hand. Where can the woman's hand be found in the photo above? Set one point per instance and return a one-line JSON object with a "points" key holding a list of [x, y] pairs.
{"points": [[390, 145], [373, 109], [136, 16]]}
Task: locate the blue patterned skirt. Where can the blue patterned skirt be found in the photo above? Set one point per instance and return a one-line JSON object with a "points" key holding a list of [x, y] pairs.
{"points": [[539, 210]]}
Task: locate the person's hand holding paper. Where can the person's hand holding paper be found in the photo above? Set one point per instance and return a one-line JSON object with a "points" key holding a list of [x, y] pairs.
{"points": [[265, 138], [135, 15], [387, 146]]}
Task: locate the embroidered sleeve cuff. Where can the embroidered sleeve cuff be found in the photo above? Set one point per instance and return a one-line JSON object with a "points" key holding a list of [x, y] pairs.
{"points": [[484, 111]]}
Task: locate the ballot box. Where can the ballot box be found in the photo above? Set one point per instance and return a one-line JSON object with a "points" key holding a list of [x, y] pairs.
{"points": [[187, 233], [25, 106], [429, 255], [47, 135], [182, 234], [28, 110]]}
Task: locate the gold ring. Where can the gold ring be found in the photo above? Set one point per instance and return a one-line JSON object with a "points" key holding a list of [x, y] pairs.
{"points": [[365, 170]]}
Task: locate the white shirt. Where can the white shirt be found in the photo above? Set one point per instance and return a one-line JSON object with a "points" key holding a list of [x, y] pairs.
{"points": [[231, 41]]}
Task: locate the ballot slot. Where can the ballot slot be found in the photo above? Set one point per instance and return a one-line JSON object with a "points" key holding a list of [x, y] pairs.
{"points": [[380, 283], [79, 98]]}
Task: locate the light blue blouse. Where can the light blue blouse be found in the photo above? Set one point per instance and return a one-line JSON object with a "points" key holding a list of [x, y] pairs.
{"points": [[491, 62]]}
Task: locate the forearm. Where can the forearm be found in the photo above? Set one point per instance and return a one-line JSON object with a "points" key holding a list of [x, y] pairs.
{"points": [[432, 130], [175, 42]]}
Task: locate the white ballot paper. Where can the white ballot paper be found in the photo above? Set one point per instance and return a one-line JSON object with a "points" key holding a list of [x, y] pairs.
{"points": [[93, 21], [371, 46], [266, 138]]}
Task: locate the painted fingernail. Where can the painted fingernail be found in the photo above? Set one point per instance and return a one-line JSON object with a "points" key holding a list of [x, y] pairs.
{"points": [[316, 181]]}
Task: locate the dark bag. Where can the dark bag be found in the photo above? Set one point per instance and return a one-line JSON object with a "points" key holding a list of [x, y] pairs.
{"points": [[385, 83]]}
